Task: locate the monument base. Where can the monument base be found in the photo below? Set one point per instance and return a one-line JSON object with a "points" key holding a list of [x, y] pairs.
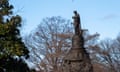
{"points": [[77, 60]]}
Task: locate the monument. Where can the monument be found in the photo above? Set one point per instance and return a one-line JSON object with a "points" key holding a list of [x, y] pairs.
{"points": [[77, 60]]}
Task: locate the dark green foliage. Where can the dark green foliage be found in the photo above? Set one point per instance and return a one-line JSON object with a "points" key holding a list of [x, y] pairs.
{"points": [[10, 40], [11, 45]]}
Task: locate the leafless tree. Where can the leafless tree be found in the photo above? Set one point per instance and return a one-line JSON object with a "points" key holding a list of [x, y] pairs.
{"points": [[106, 54], [51, 41]]}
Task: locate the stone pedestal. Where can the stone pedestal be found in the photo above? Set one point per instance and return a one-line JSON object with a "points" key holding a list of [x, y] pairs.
{"points": [[77, 60]]}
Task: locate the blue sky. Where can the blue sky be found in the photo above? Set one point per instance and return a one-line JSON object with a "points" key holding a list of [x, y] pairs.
{"points": [[102, 16]]}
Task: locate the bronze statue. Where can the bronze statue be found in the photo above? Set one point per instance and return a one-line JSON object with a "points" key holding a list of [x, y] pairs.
{"points": [[76, 22]]}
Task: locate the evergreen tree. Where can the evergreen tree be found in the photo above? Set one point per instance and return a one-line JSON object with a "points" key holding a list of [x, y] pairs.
{"points": [[11, 45], [10, 40]]}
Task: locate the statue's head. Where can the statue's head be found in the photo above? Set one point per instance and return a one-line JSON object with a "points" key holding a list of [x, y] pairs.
{"points": [[75, 12]]}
